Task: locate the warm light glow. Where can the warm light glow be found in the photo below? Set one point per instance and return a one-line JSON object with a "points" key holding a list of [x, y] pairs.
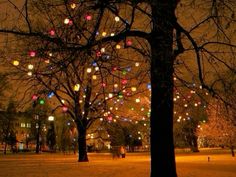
{"points": [[76, 87], [73, 6], [94, 77], [50, 118], [103, 50], [16, 62], [118, 46], [117, 18], [66, 21], [89, 70], [104, 34], [137, 100], [133, 89], [29, 73], [30, 66]]}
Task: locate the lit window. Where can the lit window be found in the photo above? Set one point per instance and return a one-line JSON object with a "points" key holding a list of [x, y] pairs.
{"points": [[28, 125], [22, 124]]}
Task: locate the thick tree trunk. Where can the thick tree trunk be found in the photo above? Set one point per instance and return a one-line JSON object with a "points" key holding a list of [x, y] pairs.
{"points": [[194, 144], [83, 157], [162, 143]]}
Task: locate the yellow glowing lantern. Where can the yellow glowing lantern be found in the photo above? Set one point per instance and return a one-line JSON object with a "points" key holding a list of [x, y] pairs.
{"points": [[118, 46], [73, 6], [137, 100], [76, 87], [133, 89], [104, 34], [94, 77], [16, 62]]}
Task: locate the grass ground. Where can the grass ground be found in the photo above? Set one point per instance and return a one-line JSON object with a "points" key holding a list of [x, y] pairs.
{"points": [[102, 165]]}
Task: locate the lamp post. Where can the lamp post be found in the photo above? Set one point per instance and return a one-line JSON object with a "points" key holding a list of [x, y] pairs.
{"points": [[37, 126]]}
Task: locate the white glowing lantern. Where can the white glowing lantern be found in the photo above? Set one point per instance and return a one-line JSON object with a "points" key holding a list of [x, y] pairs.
{"points": [[30, 66], [63, 101], [66, 21], [115, 85], [29, 73], [103, 50], [50, 118], [112, 34], [137, 64], [117, 18], [89, 70], [76, 87], [137, 100], [110, 95], [96, 68], [133, 89]]}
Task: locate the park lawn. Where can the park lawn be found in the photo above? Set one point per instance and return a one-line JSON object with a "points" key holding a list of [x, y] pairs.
{"points": [[102, 165]]}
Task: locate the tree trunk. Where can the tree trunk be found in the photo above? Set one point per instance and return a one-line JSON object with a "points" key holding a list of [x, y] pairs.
{"points": [[194, 144], [232, 150], [162, 141], [5, 148], [83, 157]]}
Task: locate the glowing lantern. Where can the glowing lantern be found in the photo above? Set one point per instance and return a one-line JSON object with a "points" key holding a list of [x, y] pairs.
{"points": [[124, 81], [110, 95], [112, 34], [118, 46], [34, 97], [66, 21], [137, 100], [103, 50], [115, 85], [88, 17], [128, 42], [73, 6], [96, 68], [41, 101], [30, 66], [50, 118], [117, 18], [104, 34], [98, 54], [32, 53], [29, 73], [133, 89], [76, 87], [50, 94], [64, 108], [94, 77], [120, 95], [52, 32], [124, 72], [137, 64], [89, 70], [16, 62]]}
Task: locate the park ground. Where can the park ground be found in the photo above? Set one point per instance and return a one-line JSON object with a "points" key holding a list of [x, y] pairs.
{"points": [[103, 165]]}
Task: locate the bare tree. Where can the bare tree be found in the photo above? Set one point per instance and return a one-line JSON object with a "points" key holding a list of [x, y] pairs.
{"points": [[193, 38]]}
